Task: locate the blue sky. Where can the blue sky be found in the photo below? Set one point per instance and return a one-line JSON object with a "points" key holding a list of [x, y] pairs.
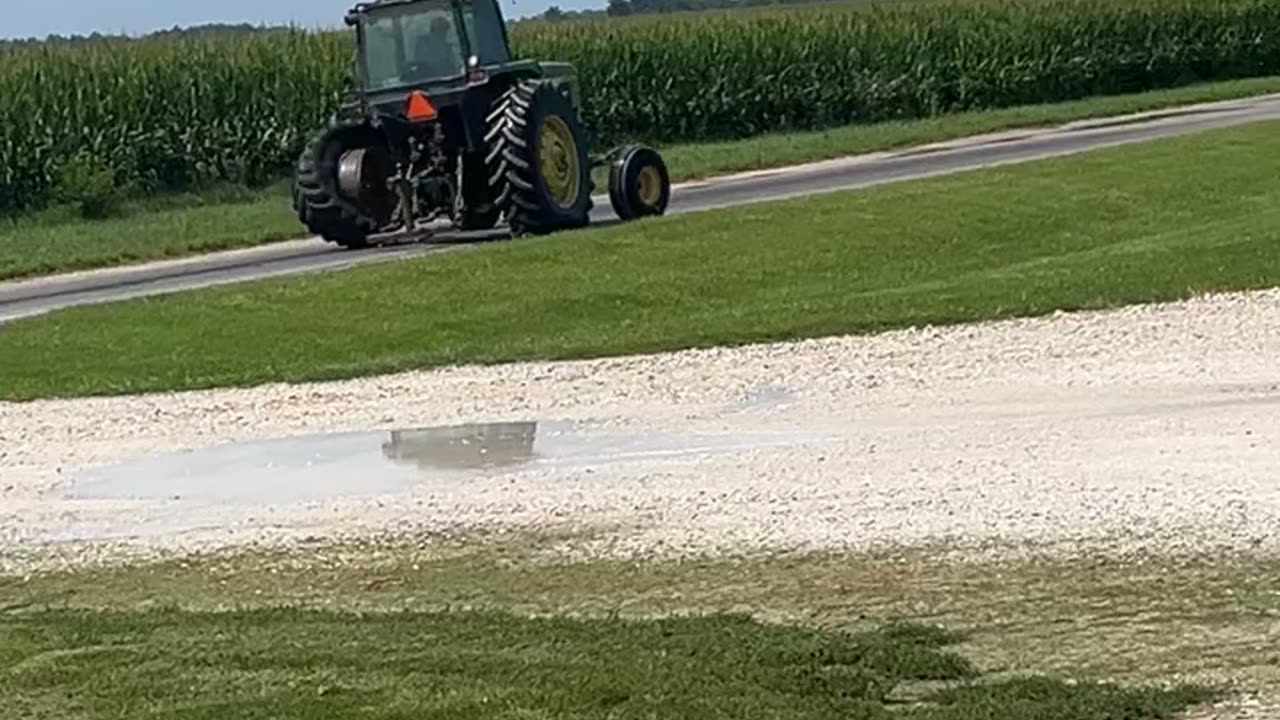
{"points": [[71, 17]]}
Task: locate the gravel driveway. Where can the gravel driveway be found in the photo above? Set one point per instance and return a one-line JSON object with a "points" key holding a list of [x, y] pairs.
{"points": [[1148, 427]]}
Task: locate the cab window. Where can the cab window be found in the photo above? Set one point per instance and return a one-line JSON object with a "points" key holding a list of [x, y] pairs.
{"points": [[485, 31], [412, 44]]}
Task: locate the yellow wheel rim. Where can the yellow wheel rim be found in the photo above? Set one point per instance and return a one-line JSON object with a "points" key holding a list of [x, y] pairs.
{"points": [[649, 186], [558, 162]]}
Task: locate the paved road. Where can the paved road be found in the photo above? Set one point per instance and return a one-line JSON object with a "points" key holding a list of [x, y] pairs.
{"points": [[311, 255]]}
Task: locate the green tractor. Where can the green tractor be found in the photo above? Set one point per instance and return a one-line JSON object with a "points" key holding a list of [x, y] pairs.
{"points": [[441, 123]]}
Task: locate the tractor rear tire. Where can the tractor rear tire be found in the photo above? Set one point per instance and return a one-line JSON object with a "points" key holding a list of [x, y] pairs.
{"points": [[539, 169], [317, 200]]}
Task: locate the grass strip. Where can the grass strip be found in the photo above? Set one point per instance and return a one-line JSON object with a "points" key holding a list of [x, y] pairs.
{"points": [[703, 160], [59, 242], [1148, 222], [287, 663]]}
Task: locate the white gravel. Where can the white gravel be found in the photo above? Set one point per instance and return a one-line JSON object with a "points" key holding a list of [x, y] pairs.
{"points": [[1148, 428]]}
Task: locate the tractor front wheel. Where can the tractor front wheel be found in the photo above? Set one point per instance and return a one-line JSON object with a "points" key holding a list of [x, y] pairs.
{"points": [[539, 170], [639, 184]]}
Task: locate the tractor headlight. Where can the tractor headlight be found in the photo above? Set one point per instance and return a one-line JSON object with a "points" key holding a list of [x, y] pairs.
{"points": [[476, 75]]}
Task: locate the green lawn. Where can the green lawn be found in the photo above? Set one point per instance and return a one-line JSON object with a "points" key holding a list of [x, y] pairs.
{"points": [[1145, 222], [288, 663], [55, 242]]}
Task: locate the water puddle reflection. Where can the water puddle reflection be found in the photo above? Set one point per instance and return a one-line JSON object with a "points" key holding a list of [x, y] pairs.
{"points": [[318, 467]]}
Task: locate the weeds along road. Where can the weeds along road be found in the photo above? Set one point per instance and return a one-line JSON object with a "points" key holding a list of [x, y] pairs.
{"points": [[34, 297]]}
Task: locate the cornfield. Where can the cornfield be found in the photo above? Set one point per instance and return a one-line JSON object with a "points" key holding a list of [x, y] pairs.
{"points": [[165, 114]]}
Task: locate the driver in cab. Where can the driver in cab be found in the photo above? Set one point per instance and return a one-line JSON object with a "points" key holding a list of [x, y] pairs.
{"points": [[435, 54]]}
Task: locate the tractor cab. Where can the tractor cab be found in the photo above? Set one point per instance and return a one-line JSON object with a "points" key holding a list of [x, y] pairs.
{"points": [[416, 44]]}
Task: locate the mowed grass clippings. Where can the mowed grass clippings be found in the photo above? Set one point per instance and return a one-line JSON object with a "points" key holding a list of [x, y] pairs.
{"points": [[59, 240], [1156, 221], [288, 663], [1131, 620], [327, 626]]}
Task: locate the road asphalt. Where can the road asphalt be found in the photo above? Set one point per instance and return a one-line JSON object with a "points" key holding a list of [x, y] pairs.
{"points": [[42, 295]]}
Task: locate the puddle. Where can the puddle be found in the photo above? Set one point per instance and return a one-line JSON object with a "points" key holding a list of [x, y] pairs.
{"points": [[320, 467]]}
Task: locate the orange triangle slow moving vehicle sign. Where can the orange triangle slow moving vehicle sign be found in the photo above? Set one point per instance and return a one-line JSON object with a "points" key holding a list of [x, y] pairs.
{"points": [[420, 108]]}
